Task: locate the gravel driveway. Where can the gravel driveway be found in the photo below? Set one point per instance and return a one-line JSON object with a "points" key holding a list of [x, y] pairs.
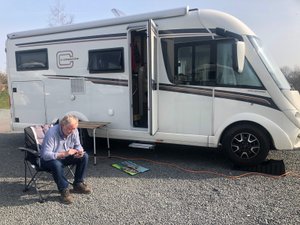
{"points": [[183, 186]]}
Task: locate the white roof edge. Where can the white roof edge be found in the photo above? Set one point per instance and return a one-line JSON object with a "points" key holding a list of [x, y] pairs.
{"points": [[102, 23]]}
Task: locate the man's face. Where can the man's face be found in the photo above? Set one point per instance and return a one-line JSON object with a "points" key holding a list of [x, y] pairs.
{"points": [[68, 129]]}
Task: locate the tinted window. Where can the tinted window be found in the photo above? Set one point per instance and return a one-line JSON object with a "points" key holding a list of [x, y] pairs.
{"points": [[207, 62], [227, 76], [193, 63], [32, 60], [106, 60]]}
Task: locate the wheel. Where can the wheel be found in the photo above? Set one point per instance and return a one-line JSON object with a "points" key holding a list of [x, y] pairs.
{"points": [[246, 144]]}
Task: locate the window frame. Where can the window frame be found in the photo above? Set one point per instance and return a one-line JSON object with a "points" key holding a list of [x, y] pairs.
{"points": [[19, 53], [106, 50]]}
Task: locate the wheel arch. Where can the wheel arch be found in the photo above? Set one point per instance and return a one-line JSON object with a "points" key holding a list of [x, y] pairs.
{"points": [[247, 122], [79, 115], [279, 139]]}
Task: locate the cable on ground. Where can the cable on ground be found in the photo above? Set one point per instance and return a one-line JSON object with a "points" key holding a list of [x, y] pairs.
{"points": [[290, 173]]}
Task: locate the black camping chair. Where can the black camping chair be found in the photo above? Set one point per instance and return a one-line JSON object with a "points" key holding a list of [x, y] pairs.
{"points": [[34, 136]]}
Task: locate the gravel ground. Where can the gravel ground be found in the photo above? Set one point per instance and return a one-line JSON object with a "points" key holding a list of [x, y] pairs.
{"points": [[166, 194]]}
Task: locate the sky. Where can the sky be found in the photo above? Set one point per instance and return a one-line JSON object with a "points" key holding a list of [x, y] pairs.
{"points": [[275, 22]]}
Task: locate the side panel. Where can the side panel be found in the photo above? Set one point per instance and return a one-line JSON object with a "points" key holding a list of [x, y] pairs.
{"points": [[70, 87], [28, 102], [184, 113]]}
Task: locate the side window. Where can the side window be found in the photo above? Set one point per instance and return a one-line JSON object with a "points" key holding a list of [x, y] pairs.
{"points": [[32, 60], [184, 57], [204, 69], [225, 72], [226, 76], [205, 62], [106, 60], [193, 65], [248, 77]]}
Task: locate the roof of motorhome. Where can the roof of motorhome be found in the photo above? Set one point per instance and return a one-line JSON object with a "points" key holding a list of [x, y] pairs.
{"points": [[102, 23]]}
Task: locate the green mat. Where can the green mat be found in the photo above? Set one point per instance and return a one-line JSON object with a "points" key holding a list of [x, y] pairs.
{"points": [[130, 167]]}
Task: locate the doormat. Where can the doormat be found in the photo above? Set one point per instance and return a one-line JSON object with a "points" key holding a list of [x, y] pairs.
{"points": [[130, 167], [271, 166]]}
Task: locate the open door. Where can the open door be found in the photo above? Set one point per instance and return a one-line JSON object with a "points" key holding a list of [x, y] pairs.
{"points": [[152, 77]]}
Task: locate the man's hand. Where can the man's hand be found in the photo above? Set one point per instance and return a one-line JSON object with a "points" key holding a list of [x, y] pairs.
{"points": [[65, 154], [71, 151], [79, 154]]}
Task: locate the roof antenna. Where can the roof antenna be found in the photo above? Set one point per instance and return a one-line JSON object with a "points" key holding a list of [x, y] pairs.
{"points": [[118, 12]]}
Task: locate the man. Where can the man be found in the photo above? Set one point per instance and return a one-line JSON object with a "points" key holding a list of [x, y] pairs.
{"points": [[61, 147]]}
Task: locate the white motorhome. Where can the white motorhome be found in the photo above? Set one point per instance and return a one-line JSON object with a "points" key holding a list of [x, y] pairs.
{"points": [[182, 76]]}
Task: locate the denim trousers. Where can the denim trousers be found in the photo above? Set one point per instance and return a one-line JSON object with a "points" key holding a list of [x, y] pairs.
{"points": [[56, 167]]}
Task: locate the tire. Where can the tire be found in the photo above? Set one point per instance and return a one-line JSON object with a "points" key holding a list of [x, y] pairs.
{"points": [[246, 144]]}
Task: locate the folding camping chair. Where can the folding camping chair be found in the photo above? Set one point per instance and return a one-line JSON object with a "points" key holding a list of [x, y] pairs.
{"points": [[34, 136]]}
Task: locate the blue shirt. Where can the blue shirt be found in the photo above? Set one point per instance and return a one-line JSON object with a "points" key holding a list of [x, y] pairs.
{"points": [[55, 142]]}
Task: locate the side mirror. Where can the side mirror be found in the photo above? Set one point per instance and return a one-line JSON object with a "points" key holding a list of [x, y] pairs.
{"points": [[239, 56]]}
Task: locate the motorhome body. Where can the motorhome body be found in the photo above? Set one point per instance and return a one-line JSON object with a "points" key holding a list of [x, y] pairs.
{"points": [[182, 76]]}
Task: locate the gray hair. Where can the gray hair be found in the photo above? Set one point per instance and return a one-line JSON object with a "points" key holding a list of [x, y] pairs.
{"points": [[68, 119]]}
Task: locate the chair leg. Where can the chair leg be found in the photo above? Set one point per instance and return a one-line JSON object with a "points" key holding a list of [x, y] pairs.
{"points": [[34, 175], [25, 188], [33, 183], [28, 184], [69, 170]]}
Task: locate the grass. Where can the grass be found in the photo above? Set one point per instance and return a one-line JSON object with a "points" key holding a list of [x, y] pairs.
{"points": [[4, 100]]}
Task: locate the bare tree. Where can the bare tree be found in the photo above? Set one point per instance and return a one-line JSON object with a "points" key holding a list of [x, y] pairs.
{"points": [[293, 76], [3, 82], [3, 78], [58, 17], [286, 70]]}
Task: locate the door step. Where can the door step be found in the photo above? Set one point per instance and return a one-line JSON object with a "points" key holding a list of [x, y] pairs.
{"points": [[141, 145]]}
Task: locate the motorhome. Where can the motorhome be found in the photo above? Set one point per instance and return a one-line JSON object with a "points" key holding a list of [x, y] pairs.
{"points": [[182, 76]]}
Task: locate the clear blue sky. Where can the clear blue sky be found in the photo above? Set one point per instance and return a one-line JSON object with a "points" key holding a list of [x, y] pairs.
{"points": [[276, 22]]}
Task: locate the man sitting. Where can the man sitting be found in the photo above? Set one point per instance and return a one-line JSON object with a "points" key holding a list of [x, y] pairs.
{"points": [[61, 147]]}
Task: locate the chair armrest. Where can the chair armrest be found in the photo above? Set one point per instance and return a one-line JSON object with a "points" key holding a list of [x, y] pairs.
{"points": [[23, 149]]}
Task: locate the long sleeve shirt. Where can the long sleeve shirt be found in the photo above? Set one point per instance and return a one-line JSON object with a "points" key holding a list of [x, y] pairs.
{"points": [[55, 142]]}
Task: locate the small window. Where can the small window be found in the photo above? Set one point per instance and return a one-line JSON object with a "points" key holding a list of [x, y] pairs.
{"points": [[32, 60], [106, 60]]}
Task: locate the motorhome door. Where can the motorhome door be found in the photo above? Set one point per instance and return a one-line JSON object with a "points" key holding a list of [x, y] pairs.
{"points": [[152, 77]]}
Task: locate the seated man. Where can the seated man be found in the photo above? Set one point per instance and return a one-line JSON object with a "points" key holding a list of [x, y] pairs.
{"points": [[61, 147]]}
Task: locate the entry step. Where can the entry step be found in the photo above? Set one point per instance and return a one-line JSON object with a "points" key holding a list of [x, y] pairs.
{"points": [[141, 145]]}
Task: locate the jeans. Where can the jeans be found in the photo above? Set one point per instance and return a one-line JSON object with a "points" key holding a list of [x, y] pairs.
{"points": [[57, 169]]}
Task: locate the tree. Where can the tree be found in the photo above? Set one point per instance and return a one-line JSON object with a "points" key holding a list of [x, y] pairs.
{"points": [[3, 78], [58, 17], [293, 76], [286, 70], [3, 82]]}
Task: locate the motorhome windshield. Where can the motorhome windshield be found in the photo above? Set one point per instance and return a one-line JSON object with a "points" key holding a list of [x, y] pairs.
{"points": [[272, 67]]}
